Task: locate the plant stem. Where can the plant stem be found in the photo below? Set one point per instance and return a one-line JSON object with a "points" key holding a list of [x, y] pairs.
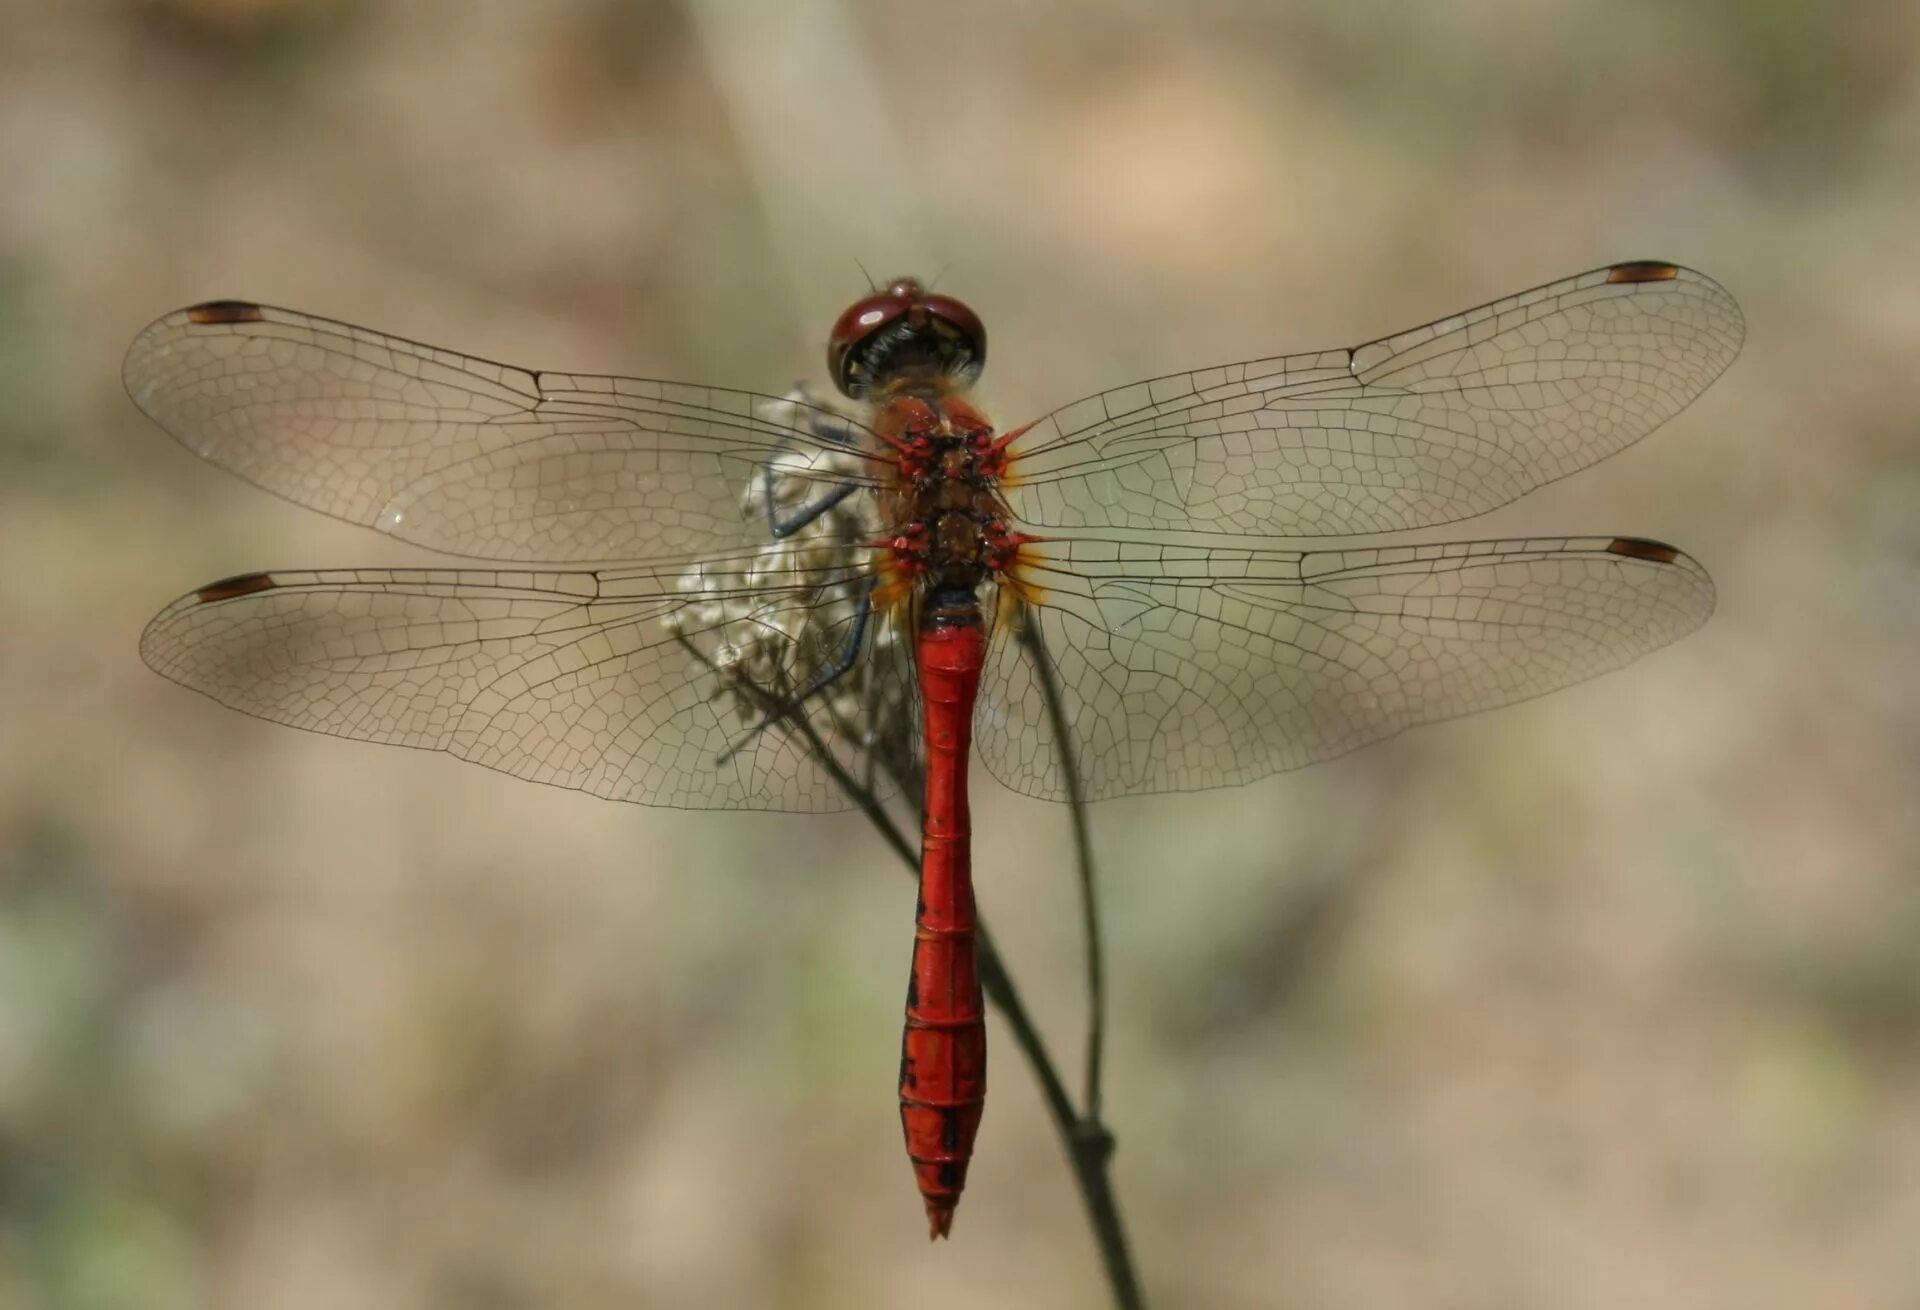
{"points": [[1090, 1141], [1036, 649]]}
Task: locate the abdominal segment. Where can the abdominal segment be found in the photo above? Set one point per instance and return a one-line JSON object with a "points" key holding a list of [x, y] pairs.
{"points": [[943, 1052]]}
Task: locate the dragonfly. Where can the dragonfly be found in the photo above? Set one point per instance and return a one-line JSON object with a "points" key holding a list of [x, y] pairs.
{"points": [[717, 599]]}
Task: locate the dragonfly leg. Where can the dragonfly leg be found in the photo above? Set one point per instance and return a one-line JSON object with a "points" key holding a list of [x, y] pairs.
{"points": [[842, 665], [785, 525]]}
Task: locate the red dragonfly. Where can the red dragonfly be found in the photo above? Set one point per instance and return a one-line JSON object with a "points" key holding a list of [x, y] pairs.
{"points": [[767, 597]]}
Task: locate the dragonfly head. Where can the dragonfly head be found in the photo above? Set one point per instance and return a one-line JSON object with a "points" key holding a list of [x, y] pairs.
{"points": [[905, 333]]}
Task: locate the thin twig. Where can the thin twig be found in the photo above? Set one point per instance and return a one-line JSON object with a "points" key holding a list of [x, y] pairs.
{"points": [[1091, 1142], [1036, 648]]}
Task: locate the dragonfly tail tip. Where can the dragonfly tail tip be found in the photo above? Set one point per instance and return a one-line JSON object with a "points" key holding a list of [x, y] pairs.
{"points": [[939, 1221]]}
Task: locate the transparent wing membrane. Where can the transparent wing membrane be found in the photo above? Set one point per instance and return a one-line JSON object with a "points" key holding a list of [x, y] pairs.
{"points": [[1184, 668], [630, 684], [1428, 426], [467, 456]]}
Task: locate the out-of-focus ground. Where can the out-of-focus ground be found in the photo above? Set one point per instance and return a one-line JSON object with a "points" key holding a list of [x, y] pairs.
{"points": [[1611, 999]]}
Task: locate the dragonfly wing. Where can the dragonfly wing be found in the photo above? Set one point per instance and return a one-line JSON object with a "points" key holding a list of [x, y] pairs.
{"points": [[1438, 423], [470, 457], [630, 684], [1182, 667]]}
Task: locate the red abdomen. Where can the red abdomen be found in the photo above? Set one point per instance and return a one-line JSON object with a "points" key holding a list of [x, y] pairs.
{"points": [[943, 1053]]}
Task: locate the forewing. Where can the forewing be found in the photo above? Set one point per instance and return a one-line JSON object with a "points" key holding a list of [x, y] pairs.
{"points": [[626, 684], [1428, 426], [470, 457], [1183, 668]]}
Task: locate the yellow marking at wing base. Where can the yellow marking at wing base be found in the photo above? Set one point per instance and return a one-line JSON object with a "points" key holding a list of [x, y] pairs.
{"points": [[1027, 590]]}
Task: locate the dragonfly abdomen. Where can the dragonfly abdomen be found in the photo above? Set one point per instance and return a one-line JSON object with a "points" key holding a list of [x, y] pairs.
{"points": [[943, 1052]]}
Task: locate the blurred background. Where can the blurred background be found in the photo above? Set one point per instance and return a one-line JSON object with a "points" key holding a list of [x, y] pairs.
{"points": [[1608, 999]]}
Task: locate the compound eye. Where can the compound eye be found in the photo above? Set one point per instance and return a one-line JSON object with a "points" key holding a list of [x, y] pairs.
{"points": [[959, 321], [904, 328], [863, 319]]}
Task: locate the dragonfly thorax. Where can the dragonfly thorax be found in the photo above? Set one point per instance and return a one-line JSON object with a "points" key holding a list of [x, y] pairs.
{"points": [[953, 533]]}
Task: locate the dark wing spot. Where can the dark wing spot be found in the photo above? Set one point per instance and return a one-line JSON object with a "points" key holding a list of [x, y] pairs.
{"points": [[242, 584], [1640, 548], [225, 311], [1643, 270]]}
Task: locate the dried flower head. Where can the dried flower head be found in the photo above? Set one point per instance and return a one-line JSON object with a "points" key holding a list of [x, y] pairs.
{"points": [[794, 624]]}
